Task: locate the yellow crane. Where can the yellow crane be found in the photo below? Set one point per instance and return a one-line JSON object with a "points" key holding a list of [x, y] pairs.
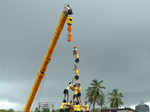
{"points": [[66, 11]]}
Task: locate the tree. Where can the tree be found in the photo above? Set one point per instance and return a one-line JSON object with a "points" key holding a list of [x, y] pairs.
{"points": [[11, 110], [89, 96], [45, 110], [94, 92], [115, 98], [37, 109], [101, 100]]}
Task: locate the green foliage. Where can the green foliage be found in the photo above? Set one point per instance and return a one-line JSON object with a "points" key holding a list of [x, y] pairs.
{"points": [[43, 110], [37, 110], [115, 98], [95, 93], [10, 110], [46, 110], [101, 99], [57, 110], [95, 110]]}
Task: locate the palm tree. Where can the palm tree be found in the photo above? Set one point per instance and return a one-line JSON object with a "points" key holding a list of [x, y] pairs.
{"points": [[101, 100], [115, 98], [94, 92], [89, 96]]}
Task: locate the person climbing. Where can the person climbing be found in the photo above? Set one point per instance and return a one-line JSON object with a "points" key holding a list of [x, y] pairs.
{"points": [[62, 107], [76, 54], [79, 93], [66, 91], [76, 71], [86, 107], [75, 93], [69, 28], [75, 81]]}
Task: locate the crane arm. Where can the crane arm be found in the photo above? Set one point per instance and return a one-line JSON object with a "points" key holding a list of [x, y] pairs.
{"points": [[47, 58]]}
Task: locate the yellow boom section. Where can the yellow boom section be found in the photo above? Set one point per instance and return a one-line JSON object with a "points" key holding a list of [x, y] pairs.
{"points": [[46, 60]]}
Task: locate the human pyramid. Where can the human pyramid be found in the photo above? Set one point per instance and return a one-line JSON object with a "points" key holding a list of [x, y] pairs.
{"points": [[74, 105]]}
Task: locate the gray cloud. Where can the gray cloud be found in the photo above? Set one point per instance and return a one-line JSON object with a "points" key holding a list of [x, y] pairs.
{"points": [[113, 38]]}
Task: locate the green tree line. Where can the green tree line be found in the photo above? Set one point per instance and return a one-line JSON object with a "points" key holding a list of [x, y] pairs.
{"points": [[95, 95], [4, 110]]}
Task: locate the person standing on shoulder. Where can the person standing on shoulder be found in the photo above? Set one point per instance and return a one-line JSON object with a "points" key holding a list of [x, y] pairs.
{"points": [[76, 54], [75, 93], [79, 93], [76, 72], [66, 91]]}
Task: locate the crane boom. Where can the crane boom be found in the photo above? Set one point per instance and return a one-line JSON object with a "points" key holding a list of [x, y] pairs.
{"points": [[67, 10]]}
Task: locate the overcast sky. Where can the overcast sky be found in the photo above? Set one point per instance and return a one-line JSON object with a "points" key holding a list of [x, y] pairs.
{"points": [[113, 40]]}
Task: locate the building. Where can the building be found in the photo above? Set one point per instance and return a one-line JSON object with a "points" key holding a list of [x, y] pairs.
{"points": [[119, 110], [142, 108], [43, 105]]}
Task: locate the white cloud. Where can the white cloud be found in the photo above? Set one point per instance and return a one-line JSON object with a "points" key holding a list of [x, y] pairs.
{"points": [[7, 105], [132, 106]]}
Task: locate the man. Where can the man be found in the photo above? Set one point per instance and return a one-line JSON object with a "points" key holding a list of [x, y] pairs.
{"points": [[76, 71], [75, 92], [62, 107], [79, 93], [77, 107], [66, 91], [68, 106], [86, 107], [76, 54]]}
